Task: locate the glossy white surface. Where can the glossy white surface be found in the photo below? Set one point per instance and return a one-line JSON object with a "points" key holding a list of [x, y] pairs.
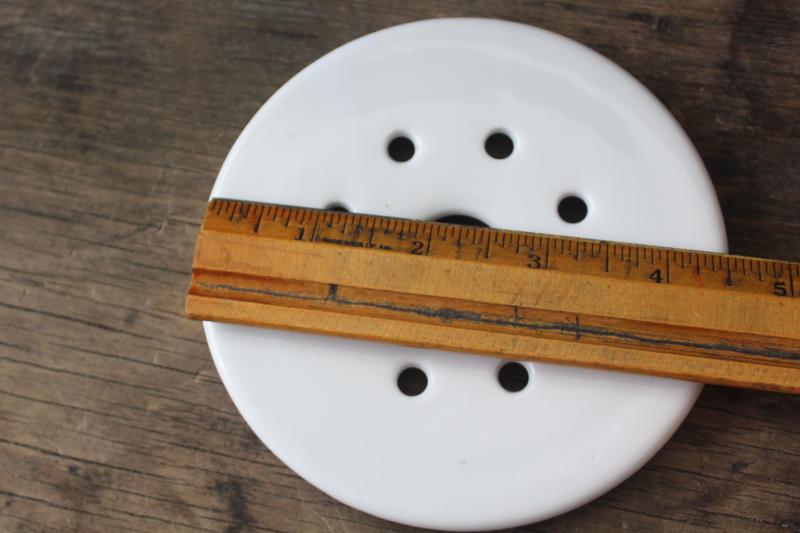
{"points": [[465, 454]]}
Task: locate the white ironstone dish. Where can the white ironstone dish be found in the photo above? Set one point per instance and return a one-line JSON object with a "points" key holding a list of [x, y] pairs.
{"points": [[465, 454]]}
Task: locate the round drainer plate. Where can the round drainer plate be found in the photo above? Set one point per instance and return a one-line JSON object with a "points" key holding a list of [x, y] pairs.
{"points": [[466, 453]]}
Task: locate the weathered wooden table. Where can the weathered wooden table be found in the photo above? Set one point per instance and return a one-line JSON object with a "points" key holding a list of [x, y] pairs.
{"points": [[115, 118]]}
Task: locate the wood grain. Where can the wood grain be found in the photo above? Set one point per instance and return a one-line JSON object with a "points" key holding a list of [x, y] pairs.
{"points": [[116, 117]]}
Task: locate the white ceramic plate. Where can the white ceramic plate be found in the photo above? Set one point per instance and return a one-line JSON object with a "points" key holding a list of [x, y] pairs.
{"points": [[465, 454]]}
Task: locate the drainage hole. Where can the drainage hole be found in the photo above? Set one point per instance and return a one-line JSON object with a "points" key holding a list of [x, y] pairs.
{"points": [[412, 381], [499, 145], [513, 377], [572, 209], [401, 148]]}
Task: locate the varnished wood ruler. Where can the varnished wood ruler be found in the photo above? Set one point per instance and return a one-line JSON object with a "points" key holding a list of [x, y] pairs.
{"points": [[707, 317]]}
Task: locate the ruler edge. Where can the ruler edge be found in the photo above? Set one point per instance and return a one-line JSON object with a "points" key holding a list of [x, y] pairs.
{"points": [[232, 311], [491, 230]]}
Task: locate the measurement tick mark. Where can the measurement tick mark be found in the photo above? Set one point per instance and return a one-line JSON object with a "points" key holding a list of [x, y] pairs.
{"points": [[258, 222]]}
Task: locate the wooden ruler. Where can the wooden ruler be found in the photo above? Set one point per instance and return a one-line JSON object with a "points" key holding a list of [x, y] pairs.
{"points": [[707, 317]]}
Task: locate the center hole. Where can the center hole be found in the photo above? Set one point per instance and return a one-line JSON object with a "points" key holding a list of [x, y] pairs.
{"points": [[462, 220], [412, 381], [337, 206]]}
